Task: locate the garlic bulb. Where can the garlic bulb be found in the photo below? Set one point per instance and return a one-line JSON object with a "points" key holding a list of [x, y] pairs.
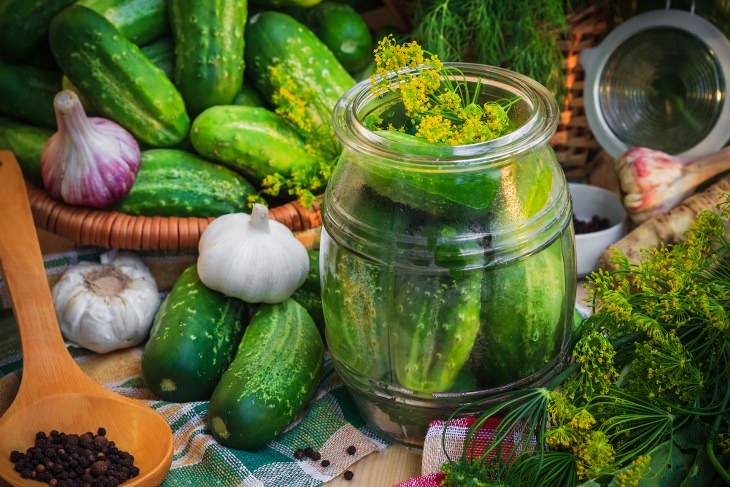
{"points": [[251, 257], [88, 161], [109, 305]]}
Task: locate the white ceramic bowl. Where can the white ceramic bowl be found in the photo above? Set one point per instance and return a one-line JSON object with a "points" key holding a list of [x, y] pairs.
{"points": [[590, 201]]}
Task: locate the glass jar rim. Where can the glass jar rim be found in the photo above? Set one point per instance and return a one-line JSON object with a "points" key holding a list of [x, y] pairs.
{"points": [[537, 129]]}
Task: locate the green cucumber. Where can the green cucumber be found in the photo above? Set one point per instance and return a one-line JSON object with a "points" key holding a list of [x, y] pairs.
{"points": [[439, 315], [24, 26], [26, 142], [276, 4], [209, 45], [162, 54], [117, 78], [140, 21], [276, 371], [172, 182], [193, 339], [247, 96], [289, 65], [27, 92], [341, 29], [523, 318], [252, 140], [309, 294]]}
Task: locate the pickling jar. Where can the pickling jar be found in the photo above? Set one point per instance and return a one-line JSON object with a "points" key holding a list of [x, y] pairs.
{"points": [[448, 272]]}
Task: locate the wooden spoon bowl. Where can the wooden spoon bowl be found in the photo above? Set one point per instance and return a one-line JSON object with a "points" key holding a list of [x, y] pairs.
{"points": [[54, 393]]}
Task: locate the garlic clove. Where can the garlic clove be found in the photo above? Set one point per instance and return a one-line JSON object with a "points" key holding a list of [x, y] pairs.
{"points": [[88, 161]]}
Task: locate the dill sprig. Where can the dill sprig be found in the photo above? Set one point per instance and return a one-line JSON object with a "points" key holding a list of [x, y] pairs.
{"points": [[307, 110], [653, 358], [440, 105]]}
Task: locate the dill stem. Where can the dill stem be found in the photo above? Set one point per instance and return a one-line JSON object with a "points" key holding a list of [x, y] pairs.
{"points": [[709, 445]]}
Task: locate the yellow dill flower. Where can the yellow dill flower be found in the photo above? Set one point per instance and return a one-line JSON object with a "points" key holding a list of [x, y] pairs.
{"points": [[429, 92], [633, 474], [435, 129]]}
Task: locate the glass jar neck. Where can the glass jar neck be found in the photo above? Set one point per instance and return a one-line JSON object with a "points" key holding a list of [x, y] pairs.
{"points": [[535, 116]]}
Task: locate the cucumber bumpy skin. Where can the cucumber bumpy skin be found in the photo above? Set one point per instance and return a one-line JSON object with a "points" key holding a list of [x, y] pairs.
{"points": [[172, 182], [117, 78], [252, 140], [209, 45], [192, 341], [274, 375]]}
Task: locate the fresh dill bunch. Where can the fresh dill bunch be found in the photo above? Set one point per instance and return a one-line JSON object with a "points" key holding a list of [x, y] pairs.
{"points": [[519, 34], [440, 105]]}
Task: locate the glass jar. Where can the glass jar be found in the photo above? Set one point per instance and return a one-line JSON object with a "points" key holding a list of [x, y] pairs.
{"points": [[448, 272]]}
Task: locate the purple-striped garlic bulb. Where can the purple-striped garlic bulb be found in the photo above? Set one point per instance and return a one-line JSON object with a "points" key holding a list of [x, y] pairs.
{"points": [[89, 161]]}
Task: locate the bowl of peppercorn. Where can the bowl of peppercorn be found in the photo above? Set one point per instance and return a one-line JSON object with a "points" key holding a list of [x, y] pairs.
{"points": [[599, 219]]}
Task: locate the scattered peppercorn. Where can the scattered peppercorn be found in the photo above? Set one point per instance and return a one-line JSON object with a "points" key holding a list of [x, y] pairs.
{"points": [[316, 456], [349, 474], [595, 224], [62, 459], [299, 454], [325, 463], [308, 451], [351, 450]]}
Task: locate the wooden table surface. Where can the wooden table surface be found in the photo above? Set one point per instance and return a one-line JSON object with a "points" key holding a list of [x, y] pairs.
{"points": [[382, 469]]}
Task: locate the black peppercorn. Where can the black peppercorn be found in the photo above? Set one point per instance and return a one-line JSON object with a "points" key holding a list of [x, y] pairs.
{"points": [[62, 459], [308, 451], [316, 456], [325, 463], [348, 474], [351, 450], [299, 454]]}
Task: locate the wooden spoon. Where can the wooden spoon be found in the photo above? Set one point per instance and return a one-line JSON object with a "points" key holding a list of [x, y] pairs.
{"points": [[54, 392]]}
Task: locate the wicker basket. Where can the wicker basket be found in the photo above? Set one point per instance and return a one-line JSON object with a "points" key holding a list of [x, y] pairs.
{"points": [[576, 149]]}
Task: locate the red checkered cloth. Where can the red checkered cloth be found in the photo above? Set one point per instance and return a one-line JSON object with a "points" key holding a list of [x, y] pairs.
{"points": [[448, 437]]}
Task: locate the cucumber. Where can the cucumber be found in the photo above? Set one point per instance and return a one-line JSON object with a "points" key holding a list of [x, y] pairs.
{"points": [[172, 182], [275, 4], [193, 339], [247, 96], [309, 294], [523, 318], [24, 26], [252, 140], [27, 92], [440, 318], [162, 54], [117, 78], [26, 142], [341, 29], [140, 21], [276, 371], [209, 45], [290, 66]]}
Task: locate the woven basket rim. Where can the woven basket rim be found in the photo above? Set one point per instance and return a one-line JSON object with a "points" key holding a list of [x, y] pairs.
{"points": [[113, 229]]}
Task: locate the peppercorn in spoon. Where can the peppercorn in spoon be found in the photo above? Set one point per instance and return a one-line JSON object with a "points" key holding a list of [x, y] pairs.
{"points": [[54, 393]]}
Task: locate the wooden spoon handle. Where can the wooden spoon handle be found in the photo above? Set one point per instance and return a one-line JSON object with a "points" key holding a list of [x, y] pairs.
{"points": [[25, 277]]}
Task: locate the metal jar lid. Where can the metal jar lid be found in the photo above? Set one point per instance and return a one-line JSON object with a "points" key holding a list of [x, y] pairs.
{"points": [[659, 80]]}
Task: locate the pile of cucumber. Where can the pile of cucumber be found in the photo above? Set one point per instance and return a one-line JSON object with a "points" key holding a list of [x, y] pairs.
{"points": [[192, 81]]}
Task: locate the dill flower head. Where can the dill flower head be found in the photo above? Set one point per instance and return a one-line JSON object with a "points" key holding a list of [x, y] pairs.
{"points": [[441, 106]]}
